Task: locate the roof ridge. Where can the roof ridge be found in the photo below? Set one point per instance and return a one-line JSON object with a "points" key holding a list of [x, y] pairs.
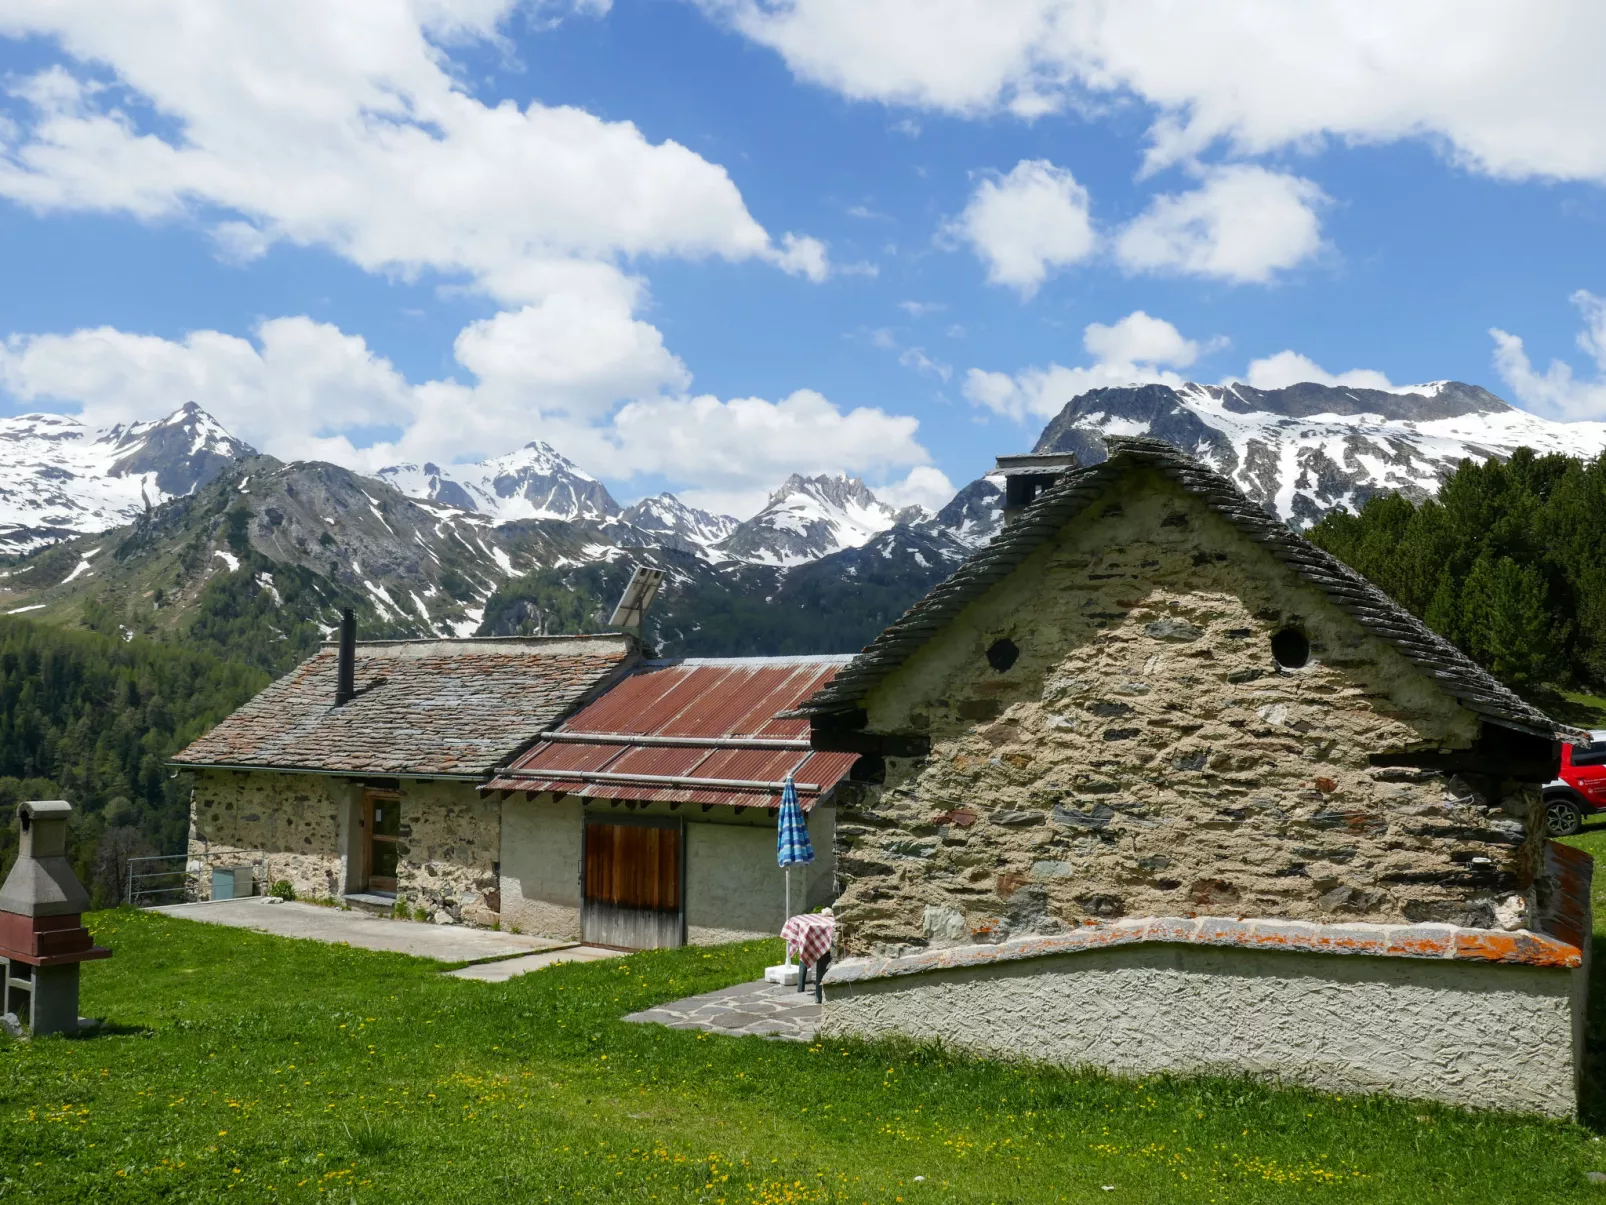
{"points": [[1451, 670]]}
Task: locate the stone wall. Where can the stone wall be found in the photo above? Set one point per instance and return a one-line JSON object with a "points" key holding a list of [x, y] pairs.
{"points": [[1144, 754], [1469, 1034], [449, 853], [295, 818]]}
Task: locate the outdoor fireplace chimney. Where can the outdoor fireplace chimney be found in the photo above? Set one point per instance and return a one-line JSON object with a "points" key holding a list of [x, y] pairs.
{"points": [[1029, 474], [346, 668], [42, 938]]}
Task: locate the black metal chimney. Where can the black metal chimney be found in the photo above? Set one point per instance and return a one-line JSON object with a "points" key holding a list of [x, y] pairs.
{"points": [[346, 670]]}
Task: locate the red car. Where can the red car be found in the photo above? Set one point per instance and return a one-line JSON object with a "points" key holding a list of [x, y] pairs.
{"points": [[1581, 789]]}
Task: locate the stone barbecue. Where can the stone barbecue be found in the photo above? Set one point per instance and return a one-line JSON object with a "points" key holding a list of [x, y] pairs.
{"points": [[42, 937]]}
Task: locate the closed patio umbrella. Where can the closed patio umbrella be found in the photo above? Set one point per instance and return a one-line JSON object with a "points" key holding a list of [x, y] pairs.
{"points": [[792, 845]]}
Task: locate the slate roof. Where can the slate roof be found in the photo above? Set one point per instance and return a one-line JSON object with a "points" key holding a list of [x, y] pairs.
{"points": [[728, 724], [423, 707], [1452, 670]]}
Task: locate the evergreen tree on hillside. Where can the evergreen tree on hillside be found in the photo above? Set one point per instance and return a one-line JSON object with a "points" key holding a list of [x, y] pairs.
{"points": [[93, 719], [1508, 562]]}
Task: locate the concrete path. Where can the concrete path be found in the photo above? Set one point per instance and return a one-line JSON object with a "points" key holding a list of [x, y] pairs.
{"points": [[769, 1010], [447, 943], [506, 968]]}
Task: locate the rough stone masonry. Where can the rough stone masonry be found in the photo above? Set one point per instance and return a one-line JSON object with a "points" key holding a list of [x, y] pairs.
{"points": [[1111, 735]]}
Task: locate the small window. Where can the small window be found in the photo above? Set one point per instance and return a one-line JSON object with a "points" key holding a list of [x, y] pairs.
{"points": [[1590, 755], [1002, 654], [1290, 648]]}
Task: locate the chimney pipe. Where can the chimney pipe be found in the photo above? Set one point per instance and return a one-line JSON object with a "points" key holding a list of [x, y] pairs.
{"points": [[346, 670]]}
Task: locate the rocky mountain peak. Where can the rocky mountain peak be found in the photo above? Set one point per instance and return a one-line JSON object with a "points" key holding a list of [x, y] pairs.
{"points": [[810, 517], [62, 477], [535, 482], [1308, 449]]}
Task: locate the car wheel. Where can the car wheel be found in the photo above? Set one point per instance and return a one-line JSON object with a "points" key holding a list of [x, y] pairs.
{"points": [[1563, 817]]}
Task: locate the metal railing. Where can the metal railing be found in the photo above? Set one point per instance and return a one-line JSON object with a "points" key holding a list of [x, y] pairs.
{"points": [[167, 878]]}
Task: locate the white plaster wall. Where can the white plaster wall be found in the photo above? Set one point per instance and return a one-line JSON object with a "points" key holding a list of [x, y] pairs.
{"points": [[734, 889], [540, 881], [1474, 1035]]}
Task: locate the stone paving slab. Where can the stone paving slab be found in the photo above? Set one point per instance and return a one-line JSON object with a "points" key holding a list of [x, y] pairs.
{"points": [[446, 943], [507, 968], [769, 1010]]}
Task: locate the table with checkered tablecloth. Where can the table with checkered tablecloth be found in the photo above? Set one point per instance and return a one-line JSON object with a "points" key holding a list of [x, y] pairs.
{"points": [[809, 936]]}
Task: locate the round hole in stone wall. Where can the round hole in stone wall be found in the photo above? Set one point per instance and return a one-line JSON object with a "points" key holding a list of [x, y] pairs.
{"points": [[1290, 648], [1001, 654]]}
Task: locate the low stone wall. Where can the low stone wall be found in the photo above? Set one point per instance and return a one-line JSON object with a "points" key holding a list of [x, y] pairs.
{"points": [[1475, 1018]]}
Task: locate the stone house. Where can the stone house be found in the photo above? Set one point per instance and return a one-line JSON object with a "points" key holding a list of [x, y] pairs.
{"points": [[1150, 761], [561, 785], [359, 781]]}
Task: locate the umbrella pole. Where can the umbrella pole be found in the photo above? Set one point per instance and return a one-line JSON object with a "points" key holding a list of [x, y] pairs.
{"points": [[788, 916]]}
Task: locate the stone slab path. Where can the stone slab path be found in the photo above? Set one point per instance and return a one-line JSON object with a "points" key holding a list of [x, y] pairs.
{"points": [[768, 1010], [506, 968], [446, 943]]}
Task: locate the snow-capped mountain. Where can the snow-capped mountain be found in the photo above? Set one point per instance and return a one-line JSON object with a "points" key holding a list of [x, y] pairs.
{"points": [[811, 517], [1307, 449], [60, 478], [676, 525], [536, 482]]}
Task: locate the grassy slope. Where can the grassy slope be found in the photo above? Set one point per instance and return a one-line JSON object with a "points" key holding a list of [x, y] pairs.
{"points": [[253, 1068]]}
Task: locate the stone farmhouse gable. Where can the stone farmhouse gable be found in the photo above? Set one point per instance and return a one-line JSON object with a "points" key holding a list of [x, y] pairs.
{"points": [[1150, 763], [301, 784], [1102, 729]]}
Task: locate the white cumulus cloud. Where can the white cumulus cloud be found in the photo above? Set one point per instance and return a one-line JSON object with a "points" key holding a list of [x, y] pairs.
{"points": [[1026, 224], [1139, 349], [1290, 368], [1511, 90], [1242, 224], [1557, 392], [302, 389]]}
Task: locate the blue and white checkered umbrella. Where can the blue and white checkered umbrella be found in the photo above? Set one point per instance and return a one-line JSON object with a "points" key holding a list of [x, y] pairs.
{"points": [[792, 844]]}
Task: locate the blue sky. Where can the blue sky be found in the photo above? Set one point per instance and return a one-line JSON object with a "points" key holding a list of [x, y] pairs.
{"points": [[701, 245]]}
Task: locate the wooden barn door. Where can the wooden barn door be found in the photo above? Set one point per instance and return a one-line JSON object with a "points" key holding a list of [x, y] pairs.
{"points": [[631, 896]]}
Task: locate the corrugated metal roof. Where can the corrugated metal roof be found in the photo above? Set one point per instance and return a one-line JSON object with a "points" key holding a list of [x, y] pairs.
{"points": [[690, 720]]}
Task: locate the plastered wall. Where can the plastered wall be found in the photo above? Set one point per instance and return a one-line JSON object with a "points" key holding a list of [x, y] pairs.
{"points": [[734, 890], [541, 866], [1145, 754], [1474, 1035]]}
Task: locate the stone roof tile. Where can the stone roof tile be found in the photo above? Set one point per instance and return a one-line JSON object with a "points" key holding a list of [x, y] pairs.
{"points": [[423, 707]]}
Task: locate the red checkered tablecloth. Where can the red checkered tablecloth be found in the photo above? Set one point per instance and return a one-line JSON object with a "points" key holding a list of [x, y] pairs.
{"points": [[809, 936]]}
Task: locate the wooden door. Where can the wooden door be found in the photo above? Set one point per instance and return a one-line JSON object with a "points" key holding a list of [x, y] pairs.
{"points": [[632, 897], [382, 823]]}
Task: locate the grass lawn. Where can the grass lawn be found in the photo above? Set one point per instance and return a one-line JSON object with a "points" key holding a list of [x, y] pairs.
{"points": [[253, 1068]]}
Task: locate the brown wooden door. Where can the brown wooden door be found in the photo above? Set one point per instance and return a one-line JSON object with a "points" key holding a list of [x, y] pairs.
{"points": [[382, 823], [632, 885]]}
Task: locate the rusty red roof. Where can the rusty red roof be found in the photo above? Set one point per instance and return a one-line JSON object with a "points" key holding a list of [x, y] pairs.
{"points": [[423, 707], [713, 730]]}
